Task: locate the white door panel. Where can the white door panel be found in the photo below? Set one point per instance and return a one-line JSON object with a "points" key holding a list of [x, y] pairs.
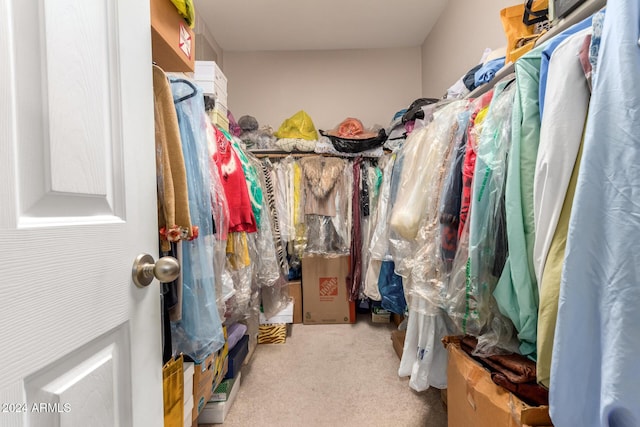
{"points": [[77, 205]]}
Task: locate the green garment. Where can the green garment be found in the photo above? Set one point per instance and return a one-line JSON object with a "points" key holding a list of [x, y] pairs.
{"points": [[251, 176], [517, 291], [550, 286]]}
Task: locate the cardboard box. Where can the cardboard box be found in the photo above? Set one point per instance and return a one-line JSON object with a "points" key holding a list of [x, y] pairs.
{"points": [[397, 318], [295, 292], [172, 41], [324, 291], [397, 338], [216, 412], [202, 395], [208, 375], [380, 315], [283, 316], [475, 400]]}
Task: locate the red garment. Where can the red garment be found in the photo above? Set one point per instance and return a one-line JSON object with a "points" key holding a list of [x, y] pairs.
{"points": [[470, 160], [235, 186]]}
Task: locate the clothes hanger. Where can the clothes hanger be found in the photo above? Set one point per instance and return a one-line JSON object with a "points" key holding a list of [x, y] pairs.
{"points": [[188, 83]]}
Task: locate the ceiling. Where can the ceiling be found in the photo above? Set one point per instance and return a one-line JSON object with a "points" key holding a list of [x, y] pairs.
{"points": [[258, 25]]}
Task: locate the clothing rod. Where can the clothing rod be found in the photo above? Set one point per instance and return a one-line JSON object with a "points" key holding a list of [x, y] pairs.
{"points": [[583, 11]]}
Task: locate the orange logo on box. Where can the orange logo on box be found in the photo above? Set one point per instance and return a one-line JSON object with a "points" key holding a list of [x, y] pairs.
{"points": [[328, 286]]}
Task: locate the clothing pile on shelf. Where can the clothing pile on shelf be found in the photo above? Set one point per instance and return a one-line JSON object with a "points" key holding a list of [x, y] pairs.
{"points": [[218, 216]]}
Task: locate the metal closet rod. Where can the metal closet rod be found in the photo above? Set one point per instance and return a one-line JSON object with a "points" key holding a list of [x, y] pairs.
{"points": [[583, 11]]}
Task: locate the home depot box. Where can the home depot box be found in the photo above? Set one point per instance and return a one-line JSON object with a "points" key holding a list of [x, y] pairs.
{"points": [[172, 41], [475, 400], [324, 290]]}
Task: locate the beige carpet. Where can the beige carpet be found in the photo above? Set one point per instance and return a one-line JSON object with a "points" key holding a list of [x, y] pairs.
{"points": [[332, 375]]}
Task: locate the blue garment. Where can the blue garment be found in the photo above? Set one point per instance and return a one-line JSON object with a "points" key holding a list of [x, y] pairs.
{"points": [[594, 47], [199, 332], [548, 51], [391, 290], [595, 380], [486, 73]]}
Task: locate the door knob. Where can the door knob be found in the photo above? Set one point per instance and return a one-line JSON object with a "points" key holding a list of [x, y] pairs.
{"points": [[167, 269]]}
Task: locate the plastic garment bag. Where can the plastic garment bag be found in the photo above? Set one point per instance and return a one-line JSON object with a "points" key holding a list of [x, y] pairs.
{"points": [[220, 214], [267, 274], [379, 241], [476, 309], [199, 333], [269, 175], [424, 358], [451, 195], [374, 182], [422, 176], [240, 268], [331, 235]]}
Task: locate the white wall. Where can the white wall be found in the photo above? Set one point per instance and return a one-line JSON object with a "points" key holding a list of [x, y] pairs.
{"points": [[207, 48], [456, 42], [329, 85]]}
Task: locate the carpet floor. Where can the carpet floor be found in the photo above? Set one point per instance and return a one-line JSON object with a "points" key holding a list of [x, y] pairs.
{"points": [[332, 375]]}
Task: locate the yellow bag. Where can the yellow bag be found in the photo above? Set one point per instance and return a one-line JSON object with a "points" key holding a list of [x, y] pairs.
{"points": [[299, 126], [186, 10], [519, 26], [173, 388]]}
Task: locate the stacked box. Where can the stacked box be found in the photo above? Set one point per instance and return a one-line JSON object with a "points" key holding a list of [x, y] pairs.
{"points": [[211, 79]]}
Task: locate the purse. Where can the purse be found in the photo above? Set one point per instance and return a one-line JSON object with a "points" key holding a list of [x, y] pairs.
{"points": [[523, 24]]}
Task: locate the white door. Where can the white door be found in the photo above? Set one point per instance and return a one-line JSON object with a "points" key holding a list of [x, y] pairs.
{"points": [[81, 344]]}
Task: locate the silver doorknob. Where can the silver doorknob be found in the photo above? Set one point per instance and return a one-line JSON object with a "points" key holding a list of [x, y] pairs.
{"points": [[167, 269]]}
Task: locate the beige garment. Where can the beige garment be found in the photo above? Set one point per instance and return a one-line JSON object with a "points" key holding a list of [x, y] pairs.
{"points": [[550, 284], [322, 176], [173, 197]]}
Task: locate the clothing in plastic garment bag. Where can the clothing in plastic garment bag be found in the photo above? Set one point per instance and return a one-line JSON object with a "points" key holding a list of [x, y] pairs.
{"points": [[199, 333], [595, 380]]}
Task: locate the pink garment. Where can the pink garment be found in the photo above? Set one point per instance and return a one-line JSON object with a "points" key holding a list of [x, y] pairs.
{"points": [[470, 161]]}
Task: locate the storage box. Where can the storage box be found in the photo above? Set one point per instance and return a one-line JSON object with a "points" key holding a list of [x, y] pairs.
{"points": [[219, 120], [475, 400], [253, 326], [188, 411], [208, 375], [324, 290], [209, 71], [221, 393], [380, 315], [172, 41], [189, 370], [272, 334], [284, 316], [203, 394], [397, 338], [237, 356], [295, 292], [216, 412]]}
